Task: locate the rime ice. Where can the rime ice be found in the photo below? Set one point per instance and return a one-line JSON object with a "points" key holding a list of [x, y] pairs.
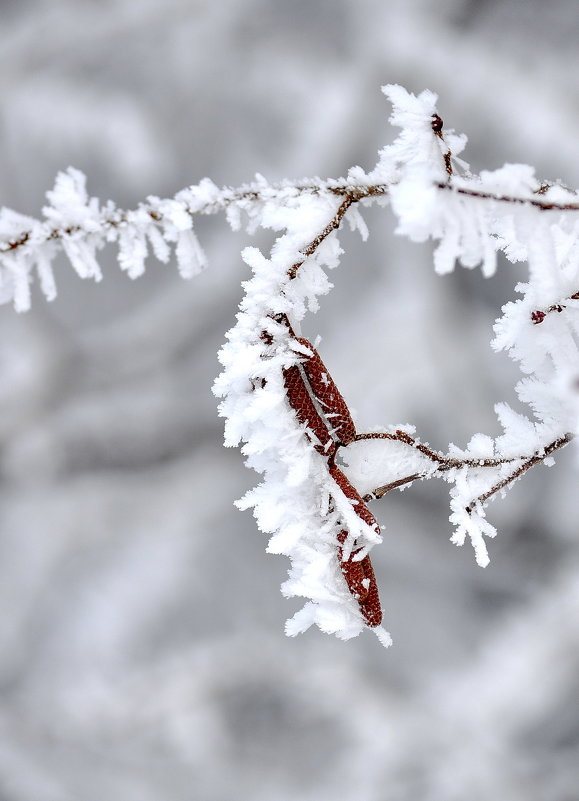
{"points": [[433, 196]]}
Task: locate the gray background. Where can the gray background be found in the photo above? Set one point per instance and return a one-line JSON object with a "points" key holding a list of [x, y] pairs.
{"points": [[142, 654]]}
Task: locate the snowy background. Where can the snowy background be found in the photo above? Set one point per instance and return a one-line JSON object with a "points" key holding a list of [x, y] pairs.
{"points": [[142, 654]]}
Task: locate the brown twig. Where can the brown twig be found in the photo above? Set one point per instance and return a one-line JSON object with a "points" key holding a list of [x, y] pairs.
{"points": [[446, 463], [539, 315], [541, 205], [521, 470], [330, 227]]}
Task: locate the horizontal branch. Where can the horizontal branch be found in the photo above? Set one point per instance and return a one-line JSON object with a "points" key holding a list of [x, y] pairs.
{"points": [[541, 205], [204, 198], [207, 198], [446, 463]]}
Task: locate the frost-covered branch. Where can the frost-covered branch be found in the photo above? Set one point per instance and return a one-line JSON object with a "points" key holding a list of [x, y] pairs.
{"points": [[526, 200], [350, 197], [80, 226], [277, 396], [444, 464], [527, 463], [433, 194]]}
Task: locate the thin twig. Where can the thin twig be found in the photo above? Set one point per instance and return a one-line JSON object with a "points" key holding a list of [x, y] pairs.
{"points": [[226, 197], [446, 463], [381, 491], [521, 470], [437, 127], [541, 205], [330, 227]]}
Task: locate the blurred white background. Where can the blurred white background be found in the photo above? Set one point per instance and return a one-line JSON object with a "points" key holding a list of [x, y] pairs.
{"points": [[142, 654]]}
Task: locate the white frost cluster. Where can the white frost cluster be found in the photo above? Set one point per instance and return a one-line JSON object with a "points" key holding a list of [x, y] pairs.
{"points": [[467, 214], [292, 503], [78, 225]]}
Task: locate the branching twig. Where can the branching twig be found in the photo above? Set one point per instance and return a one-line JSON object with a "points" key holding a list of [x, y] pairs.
{"points": [[530, 462], [469, 226], [331, 226], [249, 194], [445, 463]]}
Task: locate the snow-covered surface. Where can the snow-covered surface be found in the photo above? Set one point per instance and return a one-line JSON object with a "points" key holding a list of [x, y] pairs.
{"points": [[142, 653]]}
